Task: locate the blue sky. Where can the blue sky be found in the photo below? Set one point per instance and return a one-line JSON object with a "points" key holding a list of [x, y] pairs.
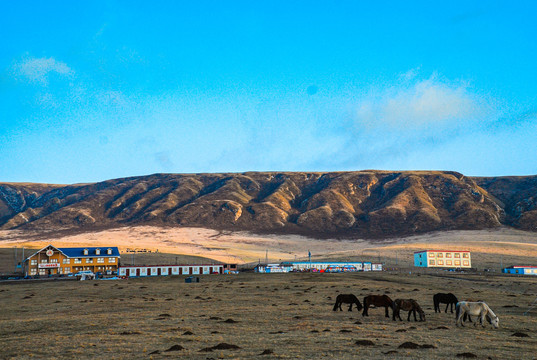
{"points": [[94, 90]]}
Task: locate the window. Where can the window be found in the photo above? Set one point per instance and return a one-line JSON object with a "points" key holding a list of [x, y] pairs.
{"points": [[78, 261], [449, 262], [440, 255], [465, 255], [85, 251], [431, 262], [466, 263], [97, 251], [431, 254], [440, 262], [112, 260], [457, 255], [33, 271], [100, 260], [33, 262], [43, 261], [448, 255], [66, 261], [54, 261], [66, 270], [457, 263], [109, 251], [89, 261]]}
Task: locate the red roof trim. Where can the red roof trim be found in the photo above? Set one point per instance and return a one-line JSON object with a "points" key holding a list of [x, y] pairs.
{"points": [[460, 251], [522, 267]]}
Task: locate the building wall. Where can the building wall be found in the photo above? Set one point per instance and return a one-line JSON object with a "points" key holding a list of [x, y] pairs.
{"points": [[443, 259], [166, 270]]}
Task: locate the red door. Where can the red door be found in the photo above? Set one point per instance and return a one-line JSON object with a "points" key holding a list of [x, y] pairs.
{"points": [[158, 272], [137, 272]]}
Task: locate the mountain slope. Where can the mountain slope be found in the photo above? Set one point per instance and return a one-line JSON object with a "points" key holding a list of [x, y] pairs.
{"points": [[344, 204]]}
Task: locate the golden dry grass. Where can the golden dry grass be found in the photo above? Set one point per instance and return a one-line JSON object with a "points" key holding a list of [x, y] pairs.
{"points": [[288, 314]]}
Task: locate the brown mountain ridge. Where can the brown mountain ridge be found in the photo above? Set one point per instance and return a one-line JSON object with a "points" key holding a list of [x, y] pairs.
{"points": [[365, 204]]}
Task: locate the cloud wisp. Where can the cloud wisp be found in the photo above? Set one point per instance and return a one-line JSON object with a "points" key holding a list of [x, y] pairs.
{"points": [[38, 70], [415, 104]]}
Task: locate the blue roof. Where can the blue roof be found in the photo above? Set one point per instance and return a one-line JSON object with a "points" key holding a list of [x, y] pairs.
{"points": [[79, 252]]}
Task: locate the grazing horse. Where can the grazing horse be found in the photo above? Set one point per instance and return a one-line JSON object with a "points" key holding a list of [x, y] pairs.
{"points": [[377, 301], [479, 309], [409, 305], [448, 299], [347, 299]]}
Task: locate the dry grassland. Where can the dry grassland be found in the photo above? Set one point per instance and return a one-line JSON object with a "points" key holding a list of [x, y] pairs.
{"points": [[285, 316]]}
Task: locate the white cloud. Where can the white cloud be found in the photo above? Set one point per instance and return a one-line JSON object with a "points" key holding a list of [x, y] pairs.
{"points": [[37, 70], [416, 103]]}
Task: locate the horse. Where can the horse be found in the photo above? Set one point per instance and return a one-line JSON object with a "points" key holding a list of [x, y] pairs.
{"points": [[448, 299], [377, 301], [347, 299], [467, 316], [409, 305], [476, 309]]}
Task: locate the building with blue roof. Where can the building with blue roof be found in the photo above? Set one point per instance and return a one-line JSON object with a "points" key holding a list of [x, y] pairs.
{"points": [[51, 260]]}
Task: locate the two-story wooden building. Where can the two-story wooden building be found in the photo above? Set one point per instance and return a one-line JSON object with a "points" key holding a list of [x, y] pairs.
{"points": [[53, 261]]}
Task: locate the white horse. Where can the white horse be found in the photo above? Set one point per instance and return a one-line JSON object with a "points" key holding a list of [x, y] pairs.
{"points": [[479, 309]]}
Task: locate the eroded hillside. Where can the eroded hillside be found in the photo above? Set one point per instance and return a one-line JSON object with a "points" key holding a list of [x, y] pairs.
{"points": [[346, 204]]}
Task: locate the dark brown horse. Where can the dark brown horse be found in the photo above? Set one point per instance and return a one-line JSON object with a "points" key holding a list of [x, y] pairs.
{"points": [[347, 299], [409, 305], [377, 301], [448, 299]]}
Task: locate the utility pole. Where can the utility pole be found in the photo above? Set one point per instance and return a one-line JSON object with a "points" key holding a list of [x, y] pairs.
{"points": [[266, 256]]}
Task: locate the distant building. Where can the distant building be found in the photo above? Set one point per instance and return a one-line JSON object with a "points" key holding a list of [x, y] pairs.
{"points": [[321, 266], [522, 270], [442, 259], [165, 270], [56, 261]]}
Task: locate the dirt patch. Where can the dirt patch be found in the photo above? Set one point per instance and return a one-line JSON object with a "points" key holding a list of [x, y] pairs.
{"points": [[520, 334], [412, 345], [176, 347], [364, 343], [467, 355], [221, 346]]}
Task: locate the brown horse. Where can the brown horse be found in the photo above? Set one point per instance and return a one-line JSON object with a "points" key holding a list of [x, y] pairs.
{"points": [[377, 301], [409, 305], [347, 299]]}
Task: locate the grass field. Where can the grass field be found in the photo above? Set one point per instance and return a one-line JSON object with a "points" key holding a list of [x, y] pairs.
{"points": [[284, 316]]}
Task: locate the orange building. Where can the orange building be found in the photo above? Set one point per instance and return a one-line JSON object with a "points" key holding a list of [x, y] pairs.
{"points": [[55, 261]]}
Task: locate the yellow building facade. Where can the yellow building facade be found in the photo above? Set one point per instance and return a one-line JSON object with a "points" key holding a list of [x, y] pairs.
{"points": [[57, 261], [443, 259]]}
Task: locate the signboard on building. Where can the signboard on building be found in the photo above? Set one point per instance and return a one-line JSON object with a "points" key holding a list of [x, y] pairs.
{"points": [[49, 265]]}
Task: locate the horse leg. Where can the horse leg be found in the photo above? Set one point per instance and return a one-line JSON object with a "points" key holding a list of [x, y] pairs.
{"points": [[364, 313], [436, 306], [350, 307], [447, 305], [459, 318], [387, 312]]}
